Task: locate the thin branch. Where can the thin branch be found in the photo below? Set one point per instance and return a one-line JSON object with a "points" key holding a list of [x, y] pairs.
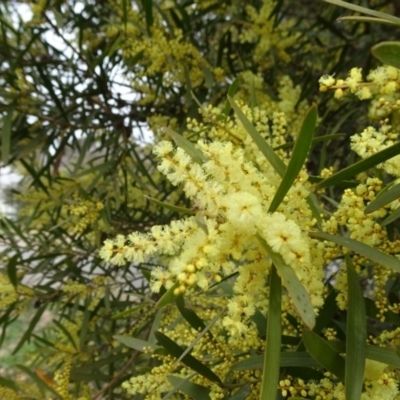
{"points": [[116, 378]]}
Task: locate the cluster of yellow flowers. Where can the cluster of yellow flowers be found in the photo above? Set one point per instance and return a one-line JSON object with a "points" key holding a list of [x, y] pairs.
{"points": [[380, 383], [381, 87], [261, 30], [84, 213], [232, 197], [94, 290], [372, 140], [9, 294]]}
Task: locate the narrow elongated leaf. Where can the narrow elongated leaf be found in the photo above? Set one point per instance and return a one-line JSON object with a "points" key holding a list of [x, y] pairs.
{"points": [[372, 20], [177, 384], [6, 137], [135, 343], [356, 335], [385, 356], [360, 166], [287, 359], [190, 316], [124, 12], [324, 138], [168, 297], [382, 199], [360, 248], [261, 143], [326, 312], [231, 92], [31, 327], [242, 394], [176, 351], [66, 332], [12, 269], [180, 210], [193, 390], [298, 158], [148, 11], [381, 354], [85, 325], [324, 354], [39, 382], [366, 11], [296, 290], [387, 53], [195, 153], [8, 383], [270, 373], [392, 217], [201, 334]]}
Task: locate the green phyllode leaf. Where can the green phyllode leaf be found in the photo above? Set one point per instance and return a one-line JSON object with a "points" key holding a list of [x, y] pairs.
{"points": [[359, 166], [361, 248], [364, 10], [296, 290], [12, 270], [298, 157], [383, 199], [193, 390], [195, 153], [372, 20], [287, 359], [168, 297], [135, 343], [324, 354], [180, 210], [242, 394], [261, 143], [356, 335], [270, 373], [6, 136], [176, 351], [392, 217], [387, 53], [31, 327]]}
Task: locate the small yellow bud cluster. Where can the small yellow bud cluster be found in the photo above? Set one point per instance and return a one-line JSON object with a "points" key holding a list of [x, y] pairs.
{"points": [[9, 394], [330, 333], [261, 30], [84, 213], [371, 140], [382, 87], [61, 379], [154, 383]]}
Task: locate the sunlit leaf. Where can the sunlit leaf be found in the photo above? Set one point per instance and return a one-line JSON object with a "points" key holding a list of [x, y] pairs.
{"points": [[134, 343], [180, 210], [296, 290], [195, 153], [168, 297], [361, 248], [371, 20], [387, 53], [364, 10], [360, 166]]}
